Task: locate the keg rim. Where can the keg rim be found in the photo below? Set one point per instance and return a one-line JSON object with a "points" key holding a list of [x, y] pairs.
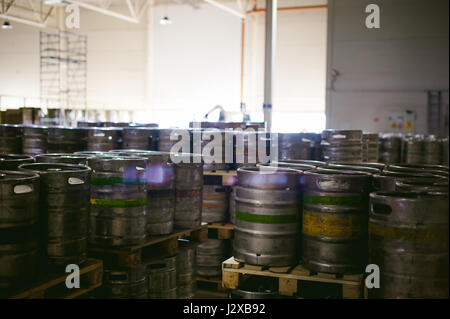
{"points": [[367, 169], [24, 175], [423, 167], [10, 157], [409, 196], [333, 172], [65, 168]]}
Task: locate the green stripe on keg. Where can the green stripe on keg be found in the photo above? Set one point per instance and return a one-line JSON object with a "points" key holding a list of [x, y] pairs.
{"points": [[266, 219], [112, 180], [119, 202], [332, 200]]}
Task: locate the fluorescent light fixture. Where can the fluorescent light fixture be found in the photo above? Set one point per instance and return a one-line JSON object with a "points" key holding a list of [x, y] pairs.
{"points": [[165, 21], [55, 3], [7, 26]]}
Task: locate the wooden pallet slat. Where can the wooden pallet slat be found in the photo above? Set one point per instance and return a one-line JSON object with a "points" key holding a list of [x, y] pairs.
{"points": [[53, 286], [288, 277]]}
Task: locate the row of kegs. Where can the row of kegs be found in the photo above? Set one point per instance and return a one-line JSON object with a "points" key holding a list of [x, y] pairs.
{"points": [[339, 217], [165, 278], [52, 208]]}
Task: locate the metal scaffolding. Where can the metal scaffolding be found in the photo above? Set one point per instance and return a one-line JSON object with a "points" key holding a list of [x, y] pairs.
{"points": [[63, 70]]}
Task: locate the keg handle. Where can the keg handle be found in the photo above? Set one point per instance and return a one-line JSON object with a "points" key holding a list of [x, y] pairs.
{"points": [[381, 209], [75, 181], [119, 276], [22, 189]]}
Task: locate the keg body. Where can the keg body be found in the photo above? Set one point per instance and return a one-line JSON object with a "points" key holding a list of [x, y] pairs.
{"points": [[210, 256], [342, 145], [139, 138], [390, 149], [215, 204], [188, 194], [124, 283], [408, 240], [335, 213], [64, 206], [162, 279], [65, 139], [118, 201], [10, 139], [186, 270], [267, 216], [370, 147], [104, 138], [19, 235], [34, 140]]}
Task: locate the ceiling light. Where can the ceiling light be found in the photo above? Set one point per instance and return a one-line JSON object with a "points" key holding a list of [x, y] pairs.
{"points": [[165, 21], [7, 26]]}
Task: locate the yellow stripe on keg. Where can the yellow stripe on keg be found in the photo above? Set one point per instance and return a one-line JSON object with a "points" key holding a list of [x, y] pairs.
{"points": [[332, 226], [408, 234]]}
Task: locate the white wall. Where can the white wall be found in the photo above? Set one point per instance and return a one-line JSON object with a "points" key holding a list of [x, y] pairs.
{"points": [[176, 73], [384, 72]]}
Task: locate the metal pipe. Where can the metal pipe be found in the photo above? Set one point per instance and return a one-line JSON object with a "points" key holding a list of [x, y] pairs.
{"points": [[242, 59], [225, 8], [271, 29], [24, 21], [254, 10], [103, 11]]}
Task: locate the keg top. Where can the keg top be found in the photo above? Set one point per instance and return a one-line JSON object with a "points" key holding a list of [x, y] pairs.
{"points": [[298, 166], [41, 157], [269, 177], [54, 168], [337, 135], [308, 162], [407, 196], [6, 176], [93, 153], [423, 185], [14, 157], [387, 172], [418, 166]]}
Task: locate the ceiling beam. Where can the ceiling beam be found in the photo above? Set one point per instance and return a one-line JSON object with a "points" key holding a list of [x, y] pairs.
{"points": [[225, 8], [104, 11], [24, 21]]}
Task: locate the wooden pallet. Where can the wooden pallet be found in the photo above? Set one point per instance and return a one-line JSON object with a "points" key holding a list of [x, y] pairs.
{"points": [[224, 230], [229, 178], [288, 278], [53, 286], [130, 256], [215, 282]]}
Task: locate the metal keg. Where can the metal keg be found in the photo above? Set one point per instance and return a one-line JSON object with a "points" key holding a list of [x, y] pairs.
{"points": [[19, 236], [141, 138], [335, 213], [124, 283], [65, 158], [159, 177], [342, 145], [114, 124], [293, 146], [214, 145], [165, 143], [11, 162], [215, 204], [118, 201], [432, 150], [232, 205], [64, 208], [299, 166], [94, 153], [104, 138], [246, 148], [370, 147], [186, 269], [162, 279], [386, 180], [256, 287], [414, 149], [10, 139], [390, 148], [34, 139], [267, 216], [188, 191], [210, 256], [408, 240], [419, 186], [66, 139], [88, 124]]}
